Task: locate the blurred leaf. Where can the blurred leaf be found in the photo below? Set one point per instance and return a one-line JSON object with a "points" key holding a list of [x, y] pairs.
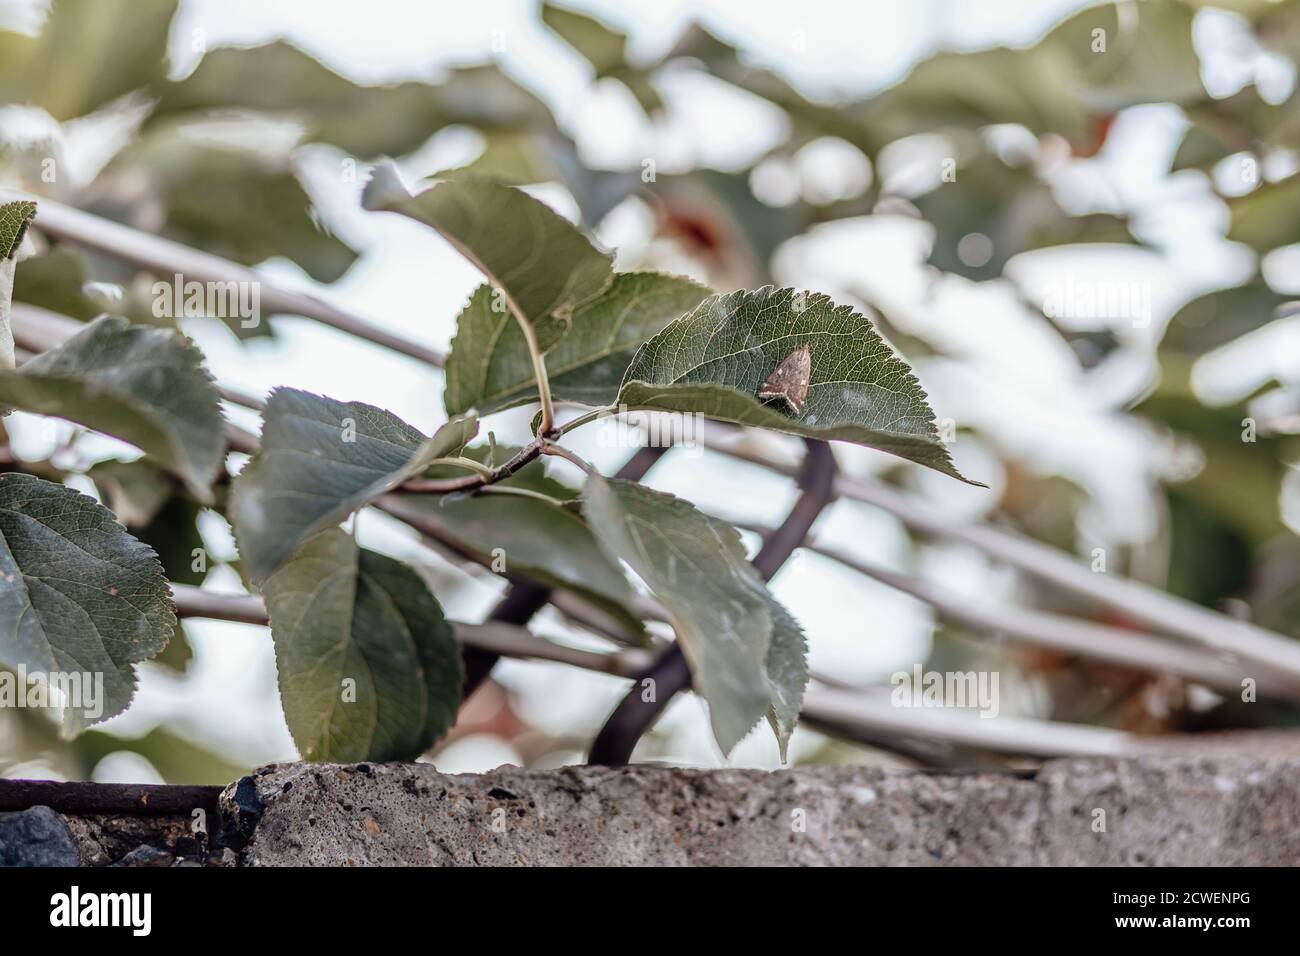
{"points": [[745, 652], [1218, 318], [600, 46], [1010, 207], [81, 595], [1241, 123], [714, 360], [135, 491], [1275, 586], [88, 53], [525, 157], [241, 203], [56, 280], [1058, 85], [1240, 481], [1062, 84], [319, 461], [720, 221], [1269, 217], [604, 49], [369, 668], [175, 758], [174, 535], [144, 386], [1200, 149], [489, 367], [1209, 557], [543, 267], [366, 121], [1149, 55]]}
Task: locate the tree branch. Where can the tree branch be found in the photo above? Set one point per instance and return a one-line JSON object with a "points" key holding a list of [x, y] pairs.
{"points": [[1132, 649], [1154, 608], [854, 715], [165, 258], [495, 637]]}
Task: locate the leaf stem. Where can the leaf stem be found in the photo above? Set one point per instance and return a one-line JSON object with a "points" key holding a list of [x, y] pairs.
{"points": [[587, 418], [520, 493], [165, 257], [560, 452], [469, 464], [547, 424]]}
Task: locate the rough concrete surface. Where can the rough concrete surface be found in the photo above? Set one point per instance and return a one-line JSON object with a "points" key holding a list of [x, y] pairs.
{"points": [[1154, 810]]}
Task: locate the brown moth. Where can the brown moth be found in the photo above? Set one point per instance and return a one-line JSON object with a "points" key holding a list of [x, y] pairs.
{"points": [[789, 380]]}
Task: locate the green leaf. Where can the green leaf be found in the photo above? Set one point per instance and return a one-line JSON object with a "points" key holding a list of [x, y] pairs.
{"points": [[1217, 318], [489, 367], [88, 53], [340, 614], [237, 198], [80, 594], [599, 45], [144, 386], [543, 266], [320, 460], [56, 280], [135, 491], [1013, 209], [744, 651], [523, 157], [1269, 217], [15, 217], [715, 359], [604, 49], [365, 121], [787, 673], [542, 541]]}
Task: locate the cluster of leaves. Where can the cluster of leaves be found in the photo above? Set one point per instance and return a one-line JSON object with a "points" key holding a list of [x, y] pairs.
{"points": [[368, 666], [553, 308]]}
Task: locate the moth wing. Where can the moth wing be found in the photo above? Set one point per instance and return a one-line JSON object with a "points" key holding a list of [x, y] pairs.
{"points": [[789, 380]]}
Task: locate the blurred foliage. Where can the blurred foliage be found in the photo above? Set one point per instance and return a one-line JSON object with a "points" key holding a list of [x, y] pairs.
{"points": [[205, 159]]}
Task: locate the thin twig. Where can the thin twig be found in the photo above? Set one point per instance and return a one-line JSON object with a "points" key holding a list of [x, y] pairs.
{"points": [[853, 715], [1131, 649], [495, 637], [165, 258], [442, 486], [84, 797]]}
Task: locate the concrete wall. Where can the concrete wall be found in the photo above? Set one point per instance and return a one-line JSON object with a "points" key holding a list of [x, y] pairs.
{"points": [[1157, 810], [1147, 811]]}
